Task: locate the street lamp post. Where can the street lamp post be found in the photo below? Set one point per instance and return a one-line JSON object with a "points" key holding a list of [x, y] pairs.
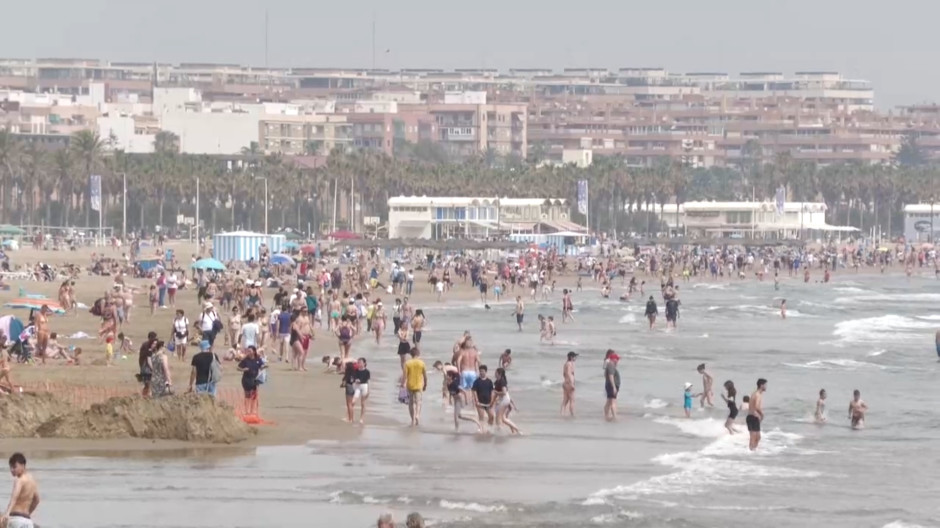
{"points": [[265, 178]]}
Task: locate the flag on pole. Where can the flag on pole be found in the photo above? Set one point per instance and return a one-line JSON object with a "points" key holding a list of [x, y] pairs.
{"points": [[583, 196], [94, 191], [781, 199]]}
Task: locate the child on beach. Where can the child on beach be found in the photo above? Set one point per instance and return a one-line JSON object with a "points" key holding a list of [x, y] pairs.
{"points": [[109, 350], [126, 345], [687, 400], [153, 299]]}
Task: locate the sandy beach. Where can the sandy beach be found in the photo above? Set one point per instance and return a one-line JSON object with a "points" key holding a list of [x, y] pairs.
{"points": [[301, 406]]}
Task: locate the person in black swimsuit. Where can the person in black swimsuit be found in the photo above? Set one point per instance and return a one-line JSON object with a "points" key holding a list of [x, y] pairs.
{"points": [[729, 396]]}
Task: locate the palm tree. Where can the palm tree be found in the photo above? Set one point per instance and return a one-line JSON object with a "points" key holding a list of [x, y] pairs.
{"points": [[87, 148], [10, 150]]}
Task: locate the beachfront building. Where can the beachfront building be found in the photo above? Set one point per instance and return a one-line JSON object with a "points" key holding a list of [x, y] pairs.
{"points": [[798, 220], [921, 222], [441, 217]]}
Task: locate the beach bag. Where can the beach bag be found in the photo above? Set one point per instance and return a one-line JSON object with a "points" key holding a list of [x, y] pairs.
{"points": [[402, 395], [262, 376], [217, 326], [215, 370]]}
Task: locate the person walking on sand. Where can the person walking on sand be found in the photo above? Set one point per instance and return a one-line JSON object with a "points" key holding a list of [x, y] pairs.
{"points": [[567, 385], [755, 413], [611, 385], [24, 498], [415, 381], [857, 410]]}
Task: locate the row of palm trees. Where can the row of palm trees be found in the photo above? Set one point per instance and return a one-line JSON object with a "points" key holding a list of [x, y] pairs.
{"points": [[49, 185]]}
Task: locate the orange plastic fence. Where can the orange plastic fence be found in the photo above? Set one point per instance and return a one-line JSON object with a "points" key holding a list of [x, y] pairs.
{"points": [[84, 396]]}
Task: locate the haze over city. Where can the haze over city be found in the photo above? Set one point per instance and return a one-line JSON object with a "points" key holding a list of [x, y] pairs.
{"points": [[861, 39]]}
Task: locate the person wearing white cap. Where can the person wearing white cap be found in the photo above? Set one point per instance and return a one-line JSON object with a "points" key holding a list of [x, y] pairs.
{"points": [[687, 400], [207, 322]]}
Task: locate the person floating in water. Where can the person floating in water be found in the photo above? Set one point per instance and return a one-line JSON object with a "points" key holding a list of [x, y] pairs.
{"points": [[857, 410]]}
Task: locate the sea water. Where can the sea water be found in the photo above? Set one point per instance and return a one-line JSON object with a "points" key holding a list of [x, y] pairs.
{"points": [[653, 467]]}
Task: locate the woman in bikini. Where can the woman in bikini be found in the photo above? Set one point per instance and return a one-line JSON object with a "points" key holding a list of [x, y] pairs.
{"points": [[379, 320], [345, 333]]}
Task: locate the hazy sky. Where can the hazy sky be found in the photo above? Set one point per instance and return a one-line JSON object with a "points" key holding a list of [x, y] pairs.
{"points": [[892, 44]]}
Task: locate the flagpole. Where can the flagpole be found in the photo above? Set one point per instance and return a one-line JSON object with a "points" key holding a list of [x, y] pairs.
{"points": [[587, 208], [124, 212], [198, 247]]}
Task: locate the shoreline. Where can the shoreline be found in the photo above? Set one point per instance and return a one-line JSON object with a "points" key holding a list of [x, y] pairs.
{"points": [[302, 407]]}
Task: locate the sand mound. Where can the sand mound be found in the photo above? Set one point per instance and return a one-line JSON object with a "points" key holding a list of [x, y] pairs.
{"points": [[186, 417], [22, 414]]}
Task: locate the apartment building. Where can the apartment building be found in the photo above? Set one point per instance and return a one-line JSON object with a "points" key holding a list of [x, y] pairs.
{"points": [[702, 119], [309, 134], [467, 124]]}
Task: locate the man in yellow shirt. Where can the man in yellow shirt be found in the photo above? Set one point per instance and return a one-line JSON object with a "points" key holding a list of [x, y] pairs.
{"points": [[415, 381]]}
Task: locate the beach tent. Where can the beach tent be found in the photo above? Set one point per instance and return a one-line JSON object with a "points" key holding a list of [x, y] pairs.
{"points": [[11, 327], [11, 230], [245, 245], [276, 243]]}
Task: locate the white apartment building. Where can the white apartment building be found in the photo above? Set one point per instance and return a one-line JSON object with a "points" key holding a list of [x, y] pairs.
{"points": [[750, 220], [442, 217], [919, 220]]}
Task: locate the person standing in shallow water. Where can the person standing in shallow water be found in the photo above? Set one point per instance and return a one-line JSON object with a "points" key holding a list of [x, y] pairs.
{"points": [[755, 414], [857, 410], [729, 397], [567, 386], [25, 496], [820, 415], [611, 385]]}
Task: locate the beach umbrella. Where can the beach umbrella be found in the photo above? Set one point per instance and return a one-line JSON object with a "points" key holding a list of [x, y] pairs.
{"points": [[27, 303], [7, 229], [343, 235], [208, 264], [11, 327], [291, 245], [308, 249], [292, 235], [282, 260]]}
